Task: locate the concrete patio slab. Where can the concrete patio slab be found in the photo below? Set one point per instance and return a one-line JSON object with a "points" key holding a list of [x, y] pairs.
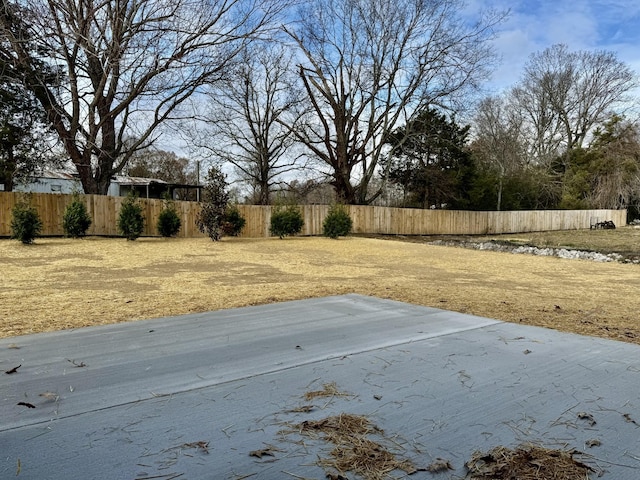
{"points": [[191, 397]]}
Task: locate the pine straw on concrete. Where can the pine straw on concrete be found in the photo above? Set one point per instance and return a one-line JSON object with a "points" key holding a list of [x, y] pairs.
{"points": [[527, 462], [338, 427], [353, 438], [328, 390], [60, 283], [353, 451]]}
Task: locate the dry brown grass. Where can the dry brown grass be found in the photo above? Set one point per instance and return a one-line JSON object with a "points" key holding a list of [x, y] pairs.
{"points": [[63, 283]]}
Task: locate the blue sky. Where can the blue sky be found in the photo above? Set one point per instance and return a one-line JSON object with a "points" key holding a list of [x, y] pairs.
{"points": [[534, 25]]}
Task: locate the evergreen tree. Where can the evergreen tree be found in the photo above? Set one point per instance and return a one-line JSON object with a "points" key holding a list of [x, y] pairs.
{"points": [[76, 219], [211, 218], [22, 134], [131, 218], [430, 162], [25, 135]]}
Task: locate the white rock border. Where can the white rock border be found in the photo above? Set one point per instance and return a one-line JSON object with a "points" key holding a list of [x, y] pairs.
{"points": [[545, 252]]}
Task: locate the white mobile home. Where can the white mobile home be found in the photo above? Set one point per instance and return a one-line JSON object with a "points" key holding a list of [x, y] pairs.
{"points": [[121, 186]]}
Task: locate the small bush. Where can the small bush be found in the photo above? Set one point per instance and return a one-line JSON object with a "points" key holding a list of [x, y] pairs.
{"points": [[25, 222], [337, 222], [130, 219], [210, 219], [169, 221], [233, 221], [76, 220], [286, 221]]}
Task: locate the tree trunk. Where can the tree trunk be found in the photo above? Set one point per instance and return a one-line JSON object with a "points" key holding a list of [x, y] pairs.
{"points": [[345, 193], [264, 194]]}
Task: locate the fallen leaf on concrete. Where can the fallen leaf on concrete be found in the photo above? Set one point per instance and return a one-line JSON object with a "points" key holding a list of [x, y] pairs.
{"points": [[13, 370], [588, 417], [440, 465], [262, 453], [77, 364]]}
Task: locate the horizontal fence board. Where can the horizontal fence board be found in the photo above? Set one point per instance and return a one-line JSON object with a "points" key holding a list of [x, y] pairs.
{"points": [[104, 212]]}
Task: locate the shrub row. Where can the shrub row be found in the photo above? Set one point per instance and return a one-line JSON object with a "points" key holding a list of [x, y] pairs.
{"points": [[26, 224], [287, 220]]}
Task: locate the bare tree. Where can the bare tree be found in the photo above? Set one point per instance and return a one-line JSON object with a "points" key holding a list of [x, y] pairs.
{"points": [[243, 121], [162, 165], [128, 66], [499, 139], [540, 122], [566, 94], [367, 65], [616, 176]]}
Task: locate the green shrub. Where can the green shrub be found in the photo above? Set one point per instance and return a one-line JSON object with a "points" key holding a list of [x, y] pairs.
{"points": [[286, 221], [337, 223], [169, 221], [130, 219], [76, 220], [233, 222], [25, 222], [215, 198]]}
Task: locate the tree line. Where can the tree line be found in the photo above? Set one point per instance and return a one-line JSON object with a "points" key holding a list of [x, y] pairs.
{"points": [[369, 97]]}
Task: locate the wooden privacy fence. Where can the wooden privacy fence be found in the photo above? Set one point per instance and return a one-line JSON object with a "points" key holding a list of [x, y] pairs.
{"points": [[366, 219]]}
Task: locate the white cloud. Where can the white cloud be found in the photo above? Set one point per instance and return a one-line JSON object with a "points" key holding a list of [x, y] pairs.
{"points": [[581, 24]]}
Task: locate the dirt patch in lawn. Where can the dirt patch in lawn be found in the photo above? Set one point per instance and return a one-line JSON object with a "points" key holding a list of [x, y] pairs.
{"points": [[63, 283]]}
